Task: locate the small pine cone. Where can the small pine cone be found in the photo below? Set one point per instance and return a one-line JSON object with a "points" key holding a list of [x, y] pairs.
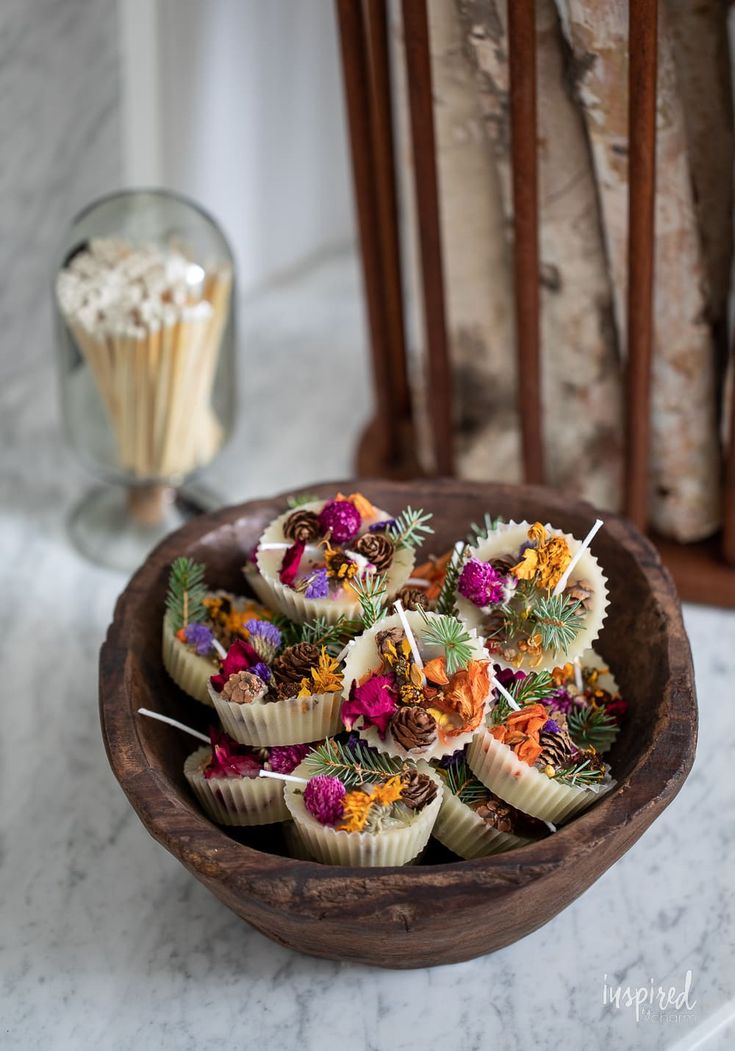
{"points": [[376, 548], [581, 592], [418, 789], [413, 728], [504, 564], [413, 598], [383, 639], [496, 813], [293, 665], [558, 749], [243, 687], [302, 525]]}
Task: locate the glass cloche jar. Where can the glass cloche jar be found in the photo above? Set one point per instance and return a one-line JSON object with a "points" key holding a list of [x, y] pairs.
{"points": [[144, 291]]}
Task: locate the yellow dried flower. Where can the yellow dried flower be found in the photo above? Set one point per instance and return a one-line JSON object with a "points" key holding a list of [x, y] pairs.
{"points": [[526, 568], [356, 808], [389, 792], [546, 562], [324, 677]]}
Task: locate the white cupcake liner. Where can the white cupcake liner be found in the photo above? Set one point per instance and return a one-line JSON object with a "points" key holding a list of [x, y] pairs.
{"points": [[237, 801], [188, 670], [294, 604], [508, 537], [465, 833], [363, 658], [295, 720], [525, 787], [391, 847], [294, 841]]}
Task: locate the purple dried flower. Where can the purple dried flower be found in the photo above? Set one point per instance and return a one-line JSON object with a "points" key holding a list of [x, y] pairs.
{"points": [[318, 586], [506, 676], [340, 518], [284, 759], [551, 727], [382, 527], [199, 636], [481, 584], [265, 638], [453, 759], [323, 798], [262, 671], [561, 701]]}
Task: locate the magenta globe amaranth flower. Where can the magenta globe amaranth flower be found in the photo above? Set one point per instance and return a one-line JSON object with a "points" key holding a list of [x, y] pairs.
{"points": [[323, 798], [342, 519], [481, 584]]}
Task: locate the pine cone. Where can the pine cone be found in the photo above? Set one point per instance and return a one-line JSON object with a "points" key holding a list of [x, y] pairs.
{"points": [[581, 592], [293, 665], [558, 748], [243, 687], [302, 525], [413, 728], [376, 548], [504, 564], [496, 813], [383, 638], [418, 789], [413, 598]]}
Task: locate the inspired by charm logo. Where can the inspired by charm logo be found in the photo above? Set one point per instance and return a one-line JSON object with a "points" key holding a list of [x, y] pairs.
{"points": [[652, 1002]]}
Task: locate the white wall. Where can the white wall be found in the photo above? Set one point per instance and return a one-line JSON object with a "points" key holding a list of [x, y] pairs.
{"points": [[247, 99]]}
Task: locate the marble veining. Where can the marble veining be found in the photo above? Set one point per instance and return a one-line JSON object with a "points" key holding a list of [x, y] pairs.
{"points": [[107, 942]]}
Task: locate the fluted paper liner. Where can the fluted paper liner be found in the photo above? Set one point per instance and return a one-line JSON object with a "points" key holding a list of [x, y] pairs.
{"points": [[295, 720], [294, 841], [390, 847], [188, 670], [465, 833], [508, 537], [363, 658], [294, 604], [525, 787], [235, 800]]}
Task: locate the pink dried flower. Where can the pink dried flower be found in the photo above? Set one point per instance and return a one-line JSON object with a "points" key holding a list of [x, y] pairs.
{"points": [[342, 519], [285, 758], [230, 759], [323, 798], [291, 562], [481, 583], [375, 701], [240, 657]]}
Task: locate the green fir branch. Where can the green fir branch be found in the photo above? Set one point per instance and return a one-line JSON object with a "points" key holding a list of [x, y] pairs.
{"points": [[450, 635], [556, 618], [186, 592], [446, 603], [371, 592], [410, 528], [355, 765], [536, 687], [582, 772], [592, 728], [319, 632], [462, 783], [300, 499], [478, 533]]}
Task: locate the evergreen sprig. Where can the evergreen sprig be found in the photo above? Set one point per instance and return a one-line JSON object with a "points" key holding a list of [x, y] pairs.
{"points": [[580, 773], [478, 533], [300, 499], [556, 618], [536, 687], [592, 728], [371, 592], [354, 765], [463, 783], [410, 528], [446, 603], [320, 632], [186, 592], [450, 635]]}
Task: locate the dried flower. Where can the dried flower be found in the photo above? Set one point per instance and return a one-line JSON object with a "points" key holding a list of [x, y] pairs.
{"points": [[291, 563], [324, 677], [240, 657], [521, 730], [318, 585], [545, 560], [285, 758], [199, 637], [339, 565], [384, 526], [480, 583], [356, 808], [374, 701], [435, 670], [262, 671], [463, 699], [389, 792], [366, 510], [341, 519], [323, 798], [230, 759], [265, 638]]}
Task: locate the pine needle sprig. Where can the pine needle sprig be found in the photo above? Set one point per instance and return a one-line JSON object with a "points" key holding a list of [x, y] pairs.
{"points": [[478, 533], [371, 592], [446, 603], [556, 618], [463, 783], [186, 593], [299, 499], [450, 635], [354, 765], [535, 688], [290, 632], [580, 773], [410, 528], [319, 632], [592, 728]]}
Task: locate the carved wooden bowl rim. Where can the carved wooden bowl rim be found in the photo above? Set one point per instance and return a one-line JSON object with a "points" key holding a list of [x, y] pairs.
{"points": [[239, 872]]}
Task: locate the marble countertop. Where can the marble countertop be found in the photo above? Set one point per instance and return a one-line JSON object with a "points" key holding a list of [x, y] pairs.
{"points": [[107, 942]]}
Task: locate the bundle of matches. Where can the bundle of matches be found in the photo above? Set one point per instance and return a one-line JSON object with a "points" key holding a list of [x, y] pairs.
{"points": [[149, 323]]}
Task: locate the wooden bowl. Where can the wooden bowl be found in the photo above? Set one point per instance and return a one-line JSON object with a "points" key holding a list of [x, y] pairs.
{"points": [[442, 910]]}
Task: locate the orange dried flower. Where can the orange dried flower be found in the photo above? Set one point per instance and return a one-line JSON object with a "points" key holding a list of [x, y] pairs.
{"points": [[355, 807], [436, 671], [434, 571], [521, 730], [546, 562], [465, 697]]}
